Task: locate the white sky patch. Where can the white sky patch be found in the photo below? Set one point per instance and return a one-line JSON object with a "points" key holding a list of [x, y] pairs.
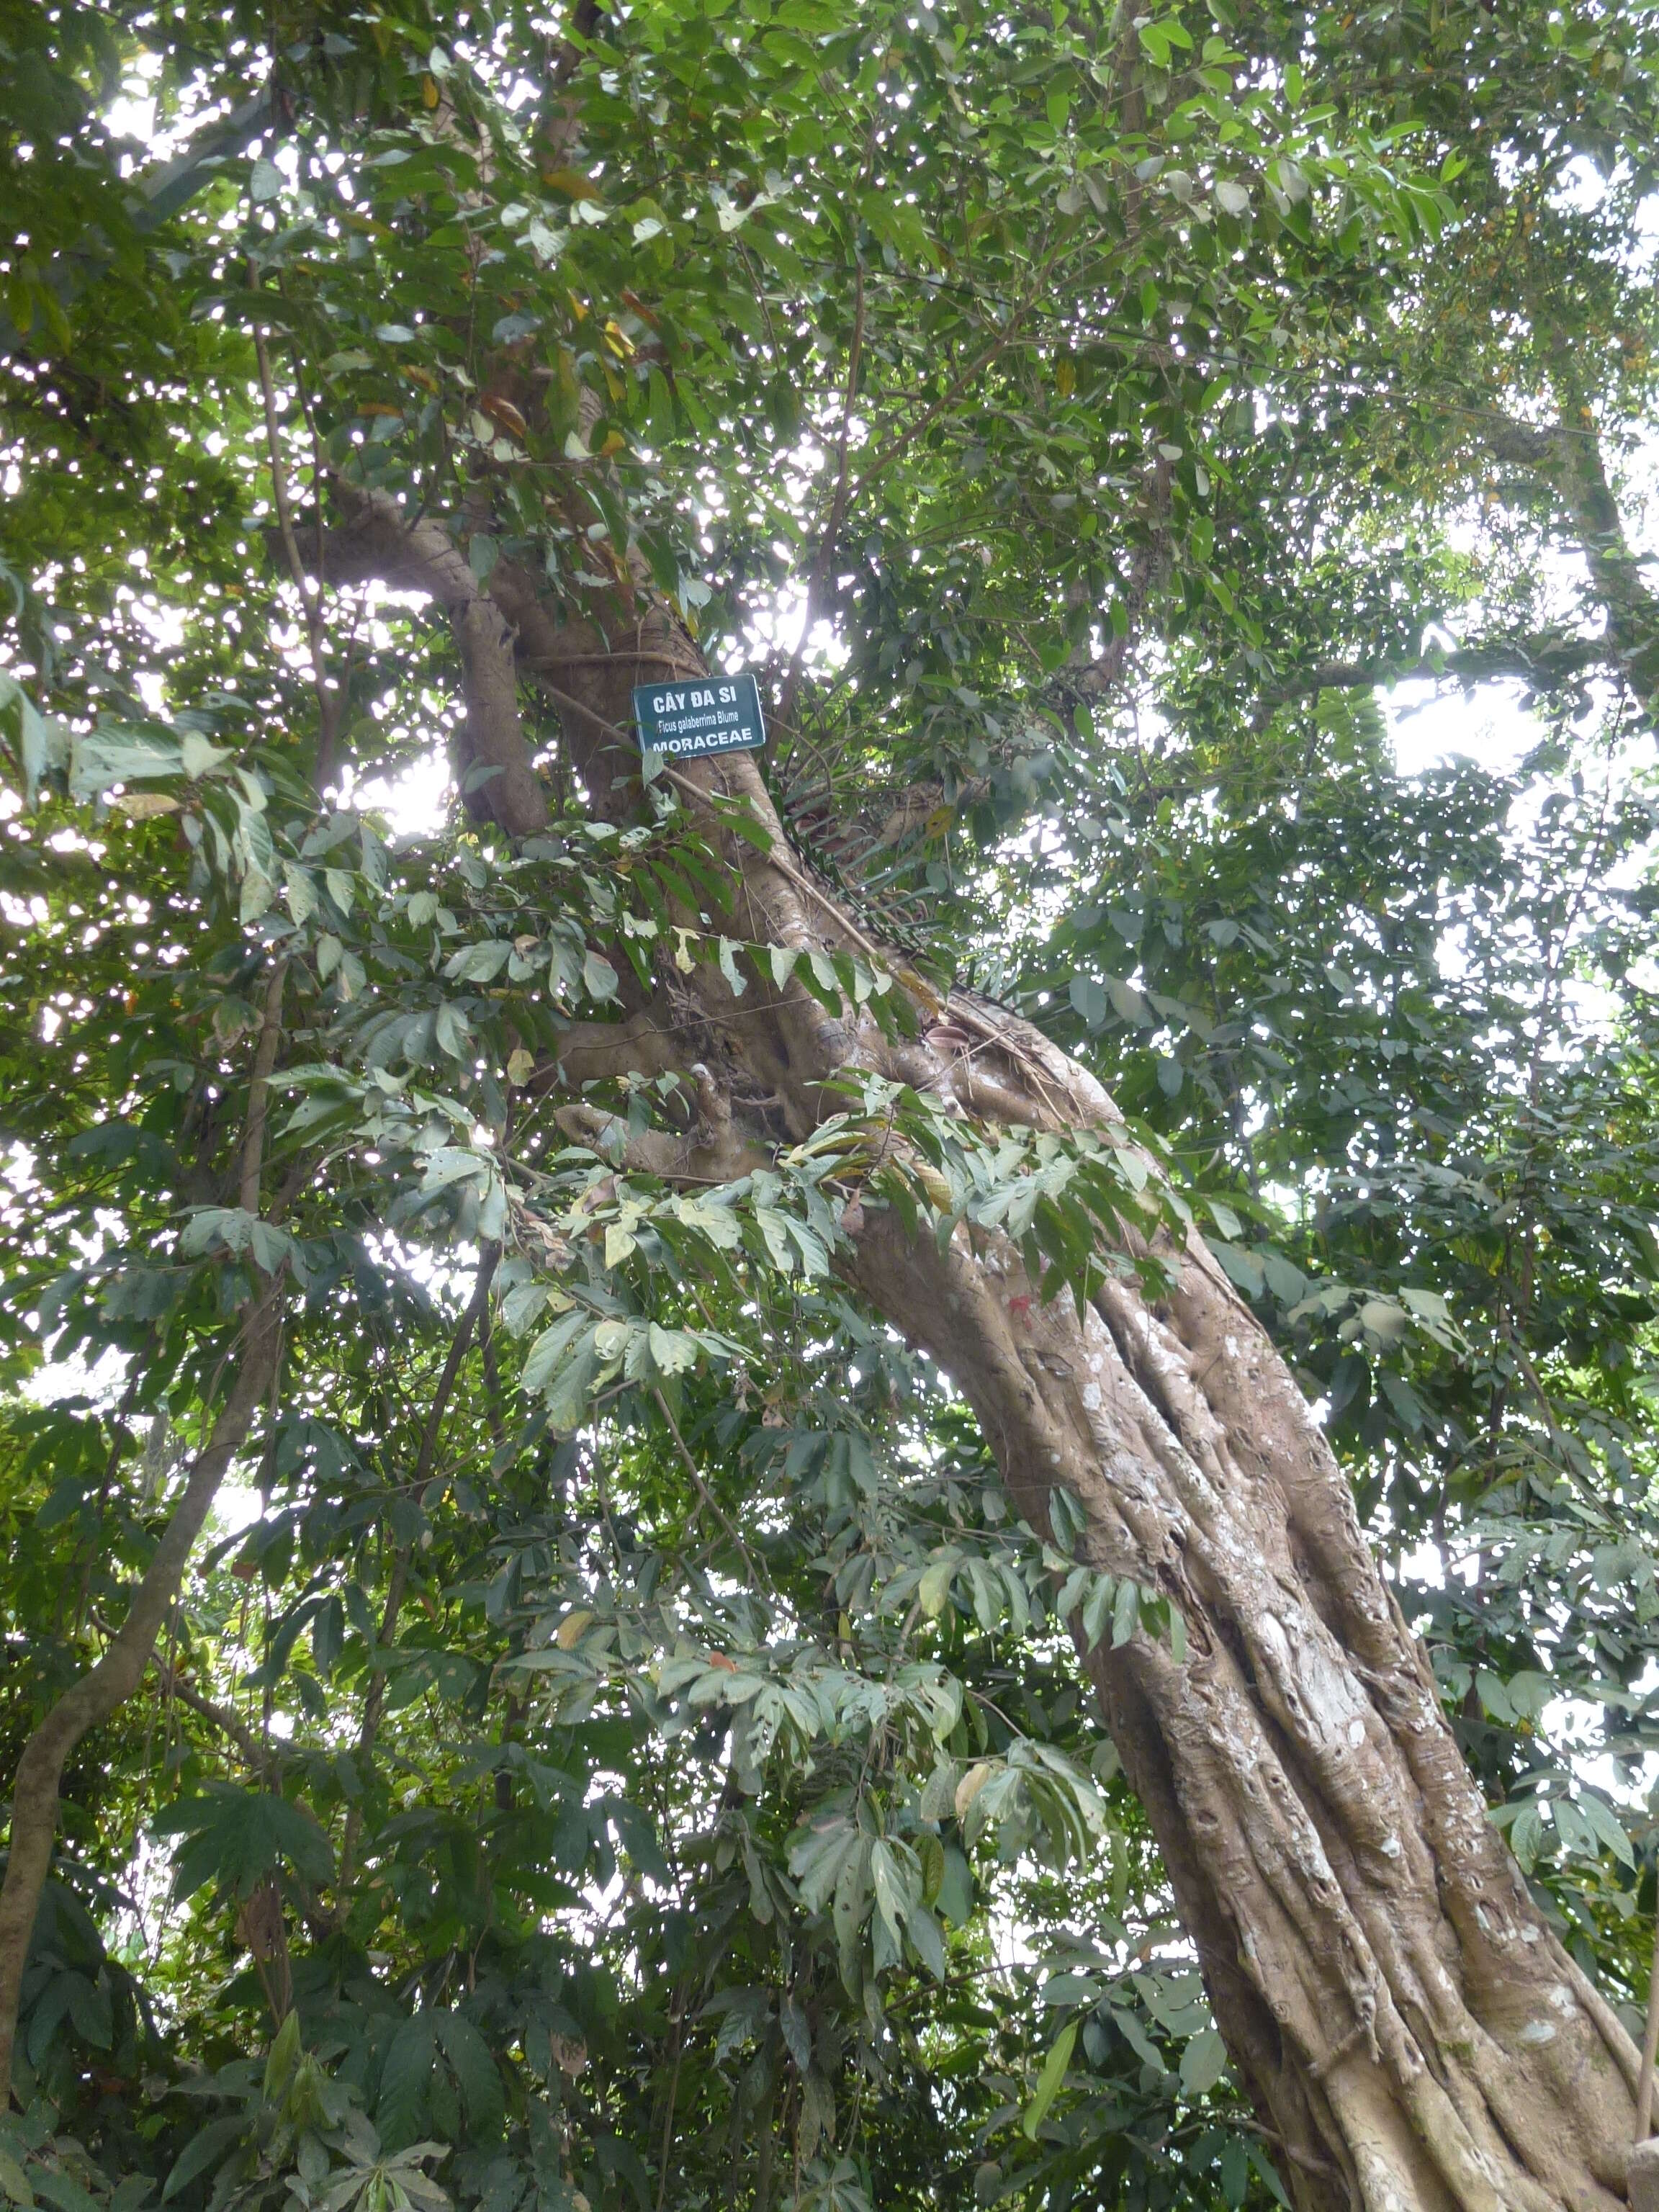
{"points": [[1431, 727], [416, 802]]}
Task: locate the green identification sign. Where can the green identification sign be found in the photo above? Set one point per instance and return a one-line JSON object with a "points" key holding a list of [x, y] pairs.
{"points": [[699, 715]]}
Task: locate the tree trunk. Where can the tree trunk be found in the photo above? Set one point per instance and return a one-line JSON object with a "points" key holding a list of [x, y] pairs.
{"points": [[1403, 2019], [1412, 2034]]}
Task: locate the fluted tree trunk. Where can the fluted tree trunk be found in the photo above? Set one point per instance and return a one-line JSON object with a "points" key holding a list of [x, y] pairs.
{"points": [[1412, 2033]]}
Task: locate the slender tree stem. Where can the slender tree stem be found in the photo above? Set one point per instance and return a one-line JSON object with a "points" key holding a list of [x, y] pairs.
{"points": [[112, 1680], [106, 1685], [1649, 2046], [258, 1099], [375, 1702]]}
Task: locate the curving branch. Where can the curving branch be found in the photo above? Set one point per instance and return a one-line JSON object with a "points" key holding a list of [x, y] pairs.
{"points": [[379, 544], [1545, 664]]}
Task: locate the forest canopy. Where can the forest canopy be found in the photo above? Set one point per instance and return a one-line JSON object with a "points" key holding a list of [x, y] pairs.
{"points": [[692, 1453]]}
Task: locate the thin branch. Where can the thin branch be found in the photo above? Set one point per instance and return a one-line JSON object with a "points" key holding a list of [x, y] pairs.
{"points": [[375, 1702], [702, 1489], [228, 1722], [258, 1100], [310, 603], [673, 2101], [1550, 663]]}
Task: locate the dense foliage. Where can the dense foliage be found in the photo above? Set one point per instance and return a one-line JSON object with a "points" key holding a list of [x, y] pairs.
{"points": [[615, 1745]]}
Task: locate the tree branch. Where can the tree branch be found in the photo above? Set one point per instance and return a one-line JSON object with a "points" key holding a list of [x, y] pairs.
{"points": [[380, 543], [259, 1104], [1544, 667]]}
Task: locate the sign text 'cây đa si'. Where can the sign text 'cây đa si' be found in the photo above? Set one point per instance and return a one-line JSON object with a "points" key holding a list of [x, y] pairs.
{"points": [[699, 715]]}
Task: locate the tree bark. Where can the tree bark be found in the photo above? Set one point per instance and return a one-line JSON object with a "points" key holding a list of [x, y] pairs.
{"points": [[1414, 2037], [1403, 2021]]}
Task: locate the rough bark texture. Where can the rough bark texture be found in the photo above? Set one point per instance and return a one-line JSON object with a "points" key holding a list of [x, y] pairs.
{"points": [[1405, 2022], [1412, 2033]]}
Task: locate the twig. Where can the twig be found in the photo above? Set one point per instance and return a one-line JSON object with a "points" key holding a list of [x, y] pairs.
{"points": [[702, 1489], [119, 1437], [824, 559], [102, 1689], [673, 2099], [607, 660], [228, 1722]]}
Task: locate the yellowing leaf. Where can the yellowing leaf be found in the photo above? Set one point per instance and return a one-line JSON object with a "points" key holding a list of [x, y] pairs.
{"points": [[571, 1627], [935, 1587], [502, 412], [575, 186], [937, 1187], [619, 1242], [970, 1786]]}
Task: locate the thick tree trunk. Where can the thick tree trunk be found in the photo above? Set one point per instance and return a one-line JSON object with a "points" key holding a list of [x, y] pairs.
{"points": [[1411, 2033], [1405, 2022]]}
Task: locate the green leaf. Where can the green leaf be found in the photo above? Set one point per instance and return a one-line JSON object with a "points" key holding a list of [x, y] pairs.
{"points": [[1203, 2062], [400, 2109], [476, 2071], [283, 2058], [109, 756], [549, 1349], [599, 978], [728, 964], [236, 1837], [1605, 1827], [205, 2149], [1089, 999], [478, 963], [1050, 2081]]}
